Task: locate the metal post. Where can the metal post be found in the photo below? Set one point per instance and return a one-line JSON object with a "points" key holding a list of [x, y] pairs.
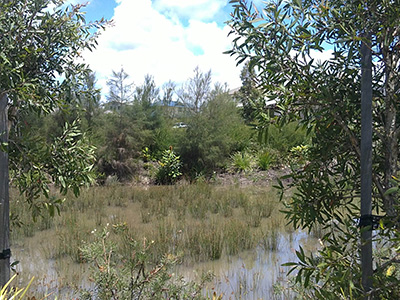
{"points": [[366, 166], [4, 196]]}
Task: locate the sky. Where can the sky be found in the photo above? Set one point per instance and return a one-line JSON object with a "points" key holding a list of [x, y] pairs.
{"points": [[167, 39]]}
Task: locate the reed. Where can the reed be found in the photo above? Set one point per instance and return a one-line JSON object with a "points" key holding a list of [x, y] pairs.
{"points": [[238, 236], [270, 240], [199, 222]]}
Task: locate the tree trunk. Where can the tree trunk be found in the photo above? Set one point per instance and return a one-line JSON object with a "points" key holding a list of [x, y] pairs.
{"points": [[4, 196], [391, 138]]}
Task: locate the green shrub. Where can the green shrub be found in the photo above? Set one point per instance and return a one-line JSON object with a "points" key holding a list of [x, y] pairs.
{"points": [[169, 170], [122, 269], [300, 153], [265, 160], [242, 162], [212, 136], [286, 137]]}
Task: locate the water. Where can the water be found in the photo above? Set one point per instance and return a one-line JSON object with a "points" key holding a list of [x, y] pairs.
{"points": [[60, 277], [256, 274], [252, 275]]}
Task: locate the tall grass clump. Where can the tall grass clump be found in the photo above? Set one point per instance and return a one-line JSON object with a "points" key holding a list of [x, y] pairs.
{"points": [[270, 239], [265, 160], [257, 209], [166, 238], [199, 208], [242, 161], [204, 241], [238, 236], [70, 235], [222, 206], [212, 241]]}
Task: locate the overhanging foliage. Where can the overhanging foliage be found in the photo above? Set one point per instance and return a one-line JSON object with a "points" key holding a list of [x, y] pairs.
{"points": [[279, 43]]}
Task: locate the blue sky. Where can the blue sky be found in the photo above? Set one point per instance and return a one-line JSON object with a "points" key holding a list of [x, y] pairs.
{"points": [[163, 38], [95, 10]]}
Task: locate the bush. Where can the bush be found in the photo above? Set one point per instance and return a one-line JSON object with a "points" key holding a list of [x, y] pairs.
{"points": [[169, 170], [122, 269], [213, 135], [285, 137], [265, 160], [242, 161], [120, 137], [300, 153]]}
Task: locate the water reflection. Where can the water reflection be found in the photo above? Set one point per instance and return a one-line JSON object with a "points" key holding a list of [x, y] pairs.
{"points": [[251, 275], [59, 277], [256, 274]]}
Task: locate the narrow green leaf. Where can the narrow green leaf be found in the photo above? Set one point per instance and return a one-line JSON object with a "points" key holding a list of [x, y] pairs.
{"points": [[392, 190]]}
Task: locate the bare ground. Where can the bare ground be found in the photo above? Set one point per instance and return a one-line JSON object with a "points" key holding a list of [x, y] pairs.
{"points": [[255, 177], [258, 178]]}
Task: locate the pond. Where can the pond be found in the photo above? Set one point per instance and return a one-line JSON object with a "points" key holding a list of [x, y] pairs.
{"points": [[253, 274], [257, 274], [249, 217]]}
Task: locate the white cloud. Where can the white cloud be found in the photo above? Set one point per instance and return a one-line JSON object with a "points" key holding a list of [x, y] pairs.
{"points": [[321, 56], [52, 6], [191, 9], [145, 41]]}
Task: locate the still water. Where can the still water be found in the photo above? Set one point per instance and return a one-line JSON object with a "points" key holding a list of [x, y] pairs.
{"points": [[252, 275], [257, 274]]}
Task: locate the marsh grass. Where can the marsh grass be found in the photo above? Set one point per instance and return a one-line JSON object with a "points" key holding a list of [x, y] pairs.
{"points": [[270, 240], [236, 237], [199, 222], [212, 219]]}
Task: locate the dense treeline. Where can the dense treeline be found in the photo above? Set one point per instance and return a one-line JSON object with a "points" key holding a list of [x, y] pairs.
{"points": [[204, 127]]}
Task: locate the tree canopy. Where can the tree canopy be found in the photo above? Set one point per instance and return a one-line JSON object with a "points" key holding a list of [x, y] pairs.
{"points": [[196, 91], [41, 42], [279, 43], [120, 90]]}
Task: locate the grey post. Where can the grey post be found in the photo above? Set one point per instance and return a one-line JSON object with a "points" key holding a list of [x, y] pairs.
{"points": [[366, 164], [4, 196]]}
